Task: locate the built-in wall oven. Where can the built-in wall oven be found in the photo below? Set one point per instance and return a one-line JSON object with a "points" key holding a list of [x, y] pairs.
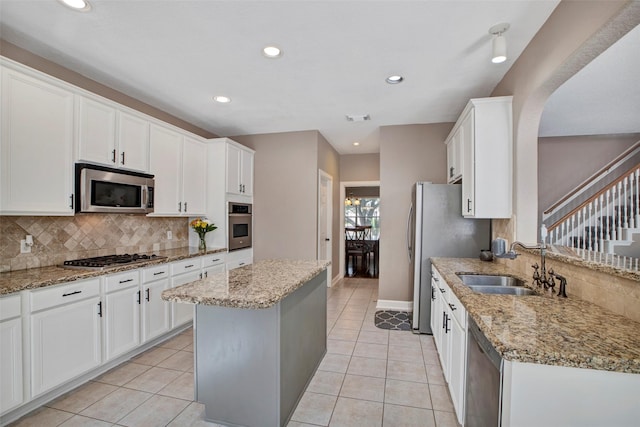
{"points": [[240, 224]]}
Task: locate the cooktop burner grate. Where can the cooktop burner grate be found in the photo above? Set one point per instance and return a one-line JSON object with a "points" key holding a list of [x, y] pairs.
{"points": [[109, 261]]}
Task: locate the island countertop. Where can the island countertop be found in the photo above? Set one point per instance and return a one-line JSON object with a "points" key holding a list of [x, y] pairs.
{"points": [[259, 285], [545, 329]]}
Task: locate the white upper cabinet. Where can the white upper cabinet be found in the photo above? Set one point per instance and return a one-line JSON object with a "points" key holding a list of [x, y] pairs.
{"points": [[36, 151], [454, 156], [486, 140], [112, 137], [194, 176], [179, 165], [239, 170]]}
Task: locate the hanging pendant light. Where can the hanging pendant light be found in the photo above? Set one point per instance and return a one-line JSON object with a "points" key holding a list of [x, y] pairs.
{"points": [[349, 201]]}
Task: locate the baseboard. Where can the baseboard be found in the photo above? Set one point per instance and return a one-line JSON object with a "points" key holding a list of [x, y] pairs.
{"points": [[386, 304], [335, 280]]}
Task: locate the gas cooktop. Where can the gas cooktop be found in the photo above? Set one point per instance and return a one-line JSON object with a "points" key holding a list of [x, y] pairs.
{"points": [[102, 262]]}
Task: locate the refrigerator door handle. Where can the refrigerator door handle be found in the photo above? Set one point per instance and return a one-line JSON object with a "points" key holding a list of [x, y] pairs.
{"points": [[409, 231]]}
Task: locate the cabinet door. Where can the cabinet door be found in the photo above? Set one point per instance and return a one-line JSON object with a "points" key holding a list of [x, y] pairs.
{"points": [[454, 152], [122, 320], [233, 170], [247, 172], [155, 311], [220, 268], [458, 365], [182, 313], [10, 364], [468, 165], [194, 182], [36, 169], [133, 142], [65, 343], [97, 136], [166, 164]]}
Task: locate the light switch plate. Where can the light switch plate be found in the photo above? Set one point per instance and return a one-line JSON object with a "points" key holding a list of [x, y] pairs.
{"points": [[169, 235]]}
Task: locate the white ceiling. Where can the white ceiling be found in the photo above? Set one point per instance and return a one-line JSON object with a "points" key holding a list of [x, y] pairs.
{"points": [[602, 98], [176, 55]]}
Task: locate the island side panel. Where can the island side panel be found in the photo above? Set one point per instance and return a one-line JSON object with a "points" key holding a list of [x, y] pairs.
{"points": [[303, 340], [237, 364]]}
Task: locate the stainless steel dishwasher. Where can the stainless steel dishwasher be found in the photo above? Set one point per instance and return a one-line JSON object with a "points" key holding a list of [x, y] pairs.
{"points": [[484, 381]]}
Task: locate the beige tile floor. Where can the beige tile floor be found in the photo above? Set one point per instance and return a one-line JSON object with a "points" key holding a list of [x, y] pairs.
{"points": [[369, 377]]}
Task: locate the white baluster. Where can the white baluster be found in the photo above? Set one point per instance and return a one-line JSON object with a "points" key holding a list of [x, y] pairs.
{"points": [[636, 207], [625, 215], [597, 230], [607, 196], [619, 213]]}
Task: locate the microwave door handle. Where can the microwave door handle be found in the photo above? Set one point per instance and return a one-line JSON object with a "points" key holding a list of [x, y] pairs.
{"points": [[145, 196]]}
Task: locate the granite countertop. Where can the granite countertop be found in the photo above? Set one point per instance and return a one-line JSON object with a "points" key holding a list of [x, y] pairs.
{"points": [[259, 285], [33, 278], [545, 329]]}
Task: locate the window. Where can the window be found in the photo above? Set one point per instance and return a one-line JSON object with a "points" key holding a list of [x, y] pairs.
{"points": [[366, 213]]}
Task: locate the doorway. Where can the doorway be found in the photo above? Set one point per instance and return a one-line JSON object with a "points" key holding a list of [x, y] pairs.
{"points": [[325, 219], [360, 225]]}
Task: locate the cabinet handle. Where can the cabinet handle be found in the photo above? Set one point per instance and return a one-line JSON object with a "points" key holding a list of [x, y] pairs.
{"points": [[179, 206], [158, 273], [139, 297], [468, 205], [201, 275], [435, 279], [206, 274], [444, 319], [71, 293], [433, 293], [188, 266], [185, 206], [100, 308], [148, 295], [240, 188], [442, 290], [453, 307], [71, 203], [126, 281], [447, 328], [242, 263], [451, 172], [214, 260], [113, 156], [122, 157]]}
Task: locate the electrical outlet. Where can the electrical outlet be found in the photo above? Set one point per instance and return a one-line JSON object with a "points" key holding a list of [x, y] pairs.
{"points": [[169, 235], [24, 247]]}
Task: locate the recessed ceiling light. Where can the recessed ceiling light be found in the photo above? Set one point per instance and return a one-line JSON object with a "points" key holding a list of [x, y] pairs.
{"points": [[272, 52], [356, 143], [394, 80], [81, 5], [222, 99]]}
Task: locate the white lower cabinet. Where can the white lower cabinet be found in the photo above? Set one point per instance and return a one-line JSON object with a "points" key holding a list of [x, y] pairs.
{"points": [[122, 313], [156, 312], [183, 272], [213, 264], [240, 258], [449, 326], [11, 389], [65, 333]]}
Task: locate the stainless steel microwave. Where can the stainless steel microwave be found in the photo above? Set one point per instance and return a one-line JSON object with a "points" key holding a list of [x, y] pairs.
{"points": [[107, 190]]}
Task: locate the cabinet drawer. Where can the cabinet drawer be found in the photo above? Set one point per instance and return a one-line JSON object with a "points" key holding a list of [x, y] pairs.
{"points": [[63, 294], [211, 260], [186, 266], [458, 310], [10, 307], [155, 273], [238, 263], [122, 280]]}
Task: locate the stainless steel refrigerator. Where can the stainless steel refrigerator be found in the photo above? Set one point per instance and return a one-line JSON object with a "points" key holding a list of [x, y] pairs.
{"points": [[436, 228]]}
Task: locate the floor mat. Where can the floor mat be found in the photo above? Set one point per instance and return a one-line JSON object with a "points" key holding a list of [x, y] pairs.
{"points": [[394, 320]]}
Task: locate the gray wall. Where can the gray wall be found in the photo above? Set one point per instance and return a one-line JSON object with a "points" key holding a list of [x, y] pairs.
{"points": [[329, 161], [360, 167], [566, 162], [408, 154], [285, 187]]}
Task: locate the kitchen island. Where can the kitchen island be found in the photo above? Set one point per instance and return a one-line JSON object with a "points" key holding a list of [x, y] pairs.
{"points": [[260, 333]]}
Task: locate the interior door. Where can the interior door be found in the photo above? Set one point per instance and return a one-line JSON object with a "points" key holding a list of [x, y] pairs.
{"points": [[325, 206]]}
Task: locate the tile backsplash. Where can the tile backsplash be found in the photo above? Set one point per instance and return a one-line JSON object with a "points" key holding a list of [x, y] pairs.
{"points": [[57, 239]]}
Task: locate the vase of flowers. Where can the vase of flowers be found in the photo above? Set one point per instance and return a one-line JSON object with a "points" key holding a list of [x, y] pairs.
{"points": [[202, 227]]}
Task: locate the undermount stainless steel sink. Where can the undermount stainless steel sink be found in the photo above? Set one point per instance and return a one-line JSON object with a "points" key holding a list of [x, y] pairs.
{"points": [[502, 290], [489, 280]]}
